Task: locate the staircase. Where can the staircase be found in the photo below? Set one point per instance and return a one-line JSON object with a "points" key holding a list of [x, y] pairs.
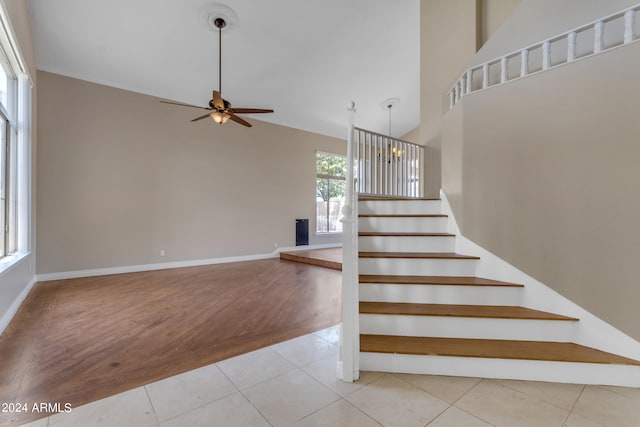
{"points": [[422, 310]]}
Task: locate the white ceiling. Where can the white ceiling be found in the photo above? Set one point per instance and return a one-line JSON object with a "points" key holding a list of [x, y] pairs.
{"points": [[304, 58]]}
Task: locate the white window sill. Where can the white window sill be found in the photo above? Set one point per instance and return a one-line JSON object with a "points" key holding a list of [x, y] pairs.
{"points": [[9, 261]]}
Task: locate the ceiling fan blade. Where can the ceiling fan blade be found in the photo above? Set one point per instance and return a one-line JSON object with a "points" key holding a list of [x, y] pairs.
{"points": [[218, 102], [249, 110], [239, 120], [184, 105], [201, 117]]}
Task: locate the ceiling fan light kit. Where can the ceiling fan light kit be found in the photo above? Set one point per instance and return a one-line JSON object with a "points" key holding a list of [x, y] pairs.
{"points": [[220, 109]]}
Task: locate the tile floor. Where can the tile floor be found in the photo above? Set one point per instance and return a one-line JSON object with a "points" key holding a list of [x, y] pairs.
{"points": [[293, 384]]}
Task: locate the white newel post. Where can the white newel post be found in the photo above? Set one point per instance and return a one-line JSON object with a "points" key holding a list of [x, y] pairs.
{"points": [[348, 365]]}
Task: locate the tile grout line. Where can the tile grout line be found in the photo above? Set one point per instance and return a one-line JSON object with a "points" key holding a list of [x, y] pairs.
{"points": [[467, 412], [245, 397], [534, 397], [153, 408], [574, 405]]}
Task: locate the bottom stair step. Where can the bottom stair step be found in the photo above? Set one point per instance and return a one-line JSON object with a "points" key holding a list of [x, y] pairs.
{"points": [[482, 348]]}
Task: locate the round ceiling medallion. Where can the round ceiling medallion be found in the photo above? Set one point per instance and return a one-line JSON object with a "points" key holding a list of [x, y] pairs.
{"points": [[210, 13], [389, 103]]}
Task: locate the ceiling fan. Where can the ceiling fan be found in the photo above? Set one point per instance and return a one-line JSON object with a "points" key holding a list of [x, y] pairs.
{"points": [[220, 109]]}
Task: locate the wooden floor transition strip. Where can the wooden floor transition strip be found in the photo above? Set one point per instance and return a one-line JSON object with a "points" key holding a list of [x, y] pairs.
{"points": [[416, 255], [328, 258], [500, 349], [433, 280], [455, 310]]}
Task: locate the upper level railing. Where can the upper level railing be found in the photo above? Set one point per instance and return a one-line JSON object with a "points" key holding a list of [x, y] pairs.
{"points": [[385, 166], [591, 39]]}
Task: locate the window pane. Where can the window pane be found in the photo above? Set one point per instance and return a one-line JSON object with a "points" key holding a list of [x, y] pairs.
{"points": [[3, 185], [12, 199], [331, 164]]}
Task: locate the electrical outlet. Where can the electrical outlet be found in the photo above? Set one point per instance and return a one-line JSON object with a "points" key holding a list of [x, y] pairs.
{"points": [[161, 252], [275, 245]]}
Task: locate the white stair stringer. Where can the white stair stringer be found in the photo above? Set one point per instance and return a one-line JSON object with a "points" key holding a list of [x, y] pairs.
{"points": [[530, 370], [591, 331], [467, 327], [445, 243]]}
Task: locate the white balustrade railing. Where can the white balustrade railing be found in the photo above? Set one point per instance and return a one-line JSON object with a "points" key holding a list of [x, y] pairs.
{"points": [[612, 31], [386, 166], [348, 366]]}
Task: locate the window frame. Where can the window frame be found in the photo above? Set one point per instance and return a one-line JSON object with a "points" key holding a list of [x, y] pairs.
{"points": [[327, 177]]}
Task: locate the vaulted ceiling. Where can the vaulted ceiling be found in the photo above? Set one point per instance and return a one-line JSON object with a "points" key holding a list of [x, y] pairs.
{"points": [[304, 58]]}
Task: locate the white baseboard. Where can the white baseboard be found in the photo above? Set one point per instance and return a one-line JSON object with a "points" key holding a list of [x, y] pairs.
{"points": [[176, 264], [8, 315]]}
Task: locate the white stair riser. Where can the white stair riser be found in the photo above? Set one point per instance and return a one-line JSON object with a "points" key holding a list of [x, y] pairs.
{"points": [[410, 224], [530, 370], [440, 294], [417, 266], [467, 327], [406, 244], [399, 207]]}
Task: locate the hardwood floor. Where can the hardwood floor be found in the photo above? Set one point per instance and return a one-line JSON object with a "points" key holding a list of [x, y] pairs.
{"points": [[80, 340]]}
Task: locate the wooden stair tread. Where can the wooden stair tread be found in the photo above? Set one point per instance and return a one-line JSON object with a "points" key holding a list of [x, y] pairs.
{"points": [[457, 310], [421, 255], [393, 198], [434, 280], [403, 234], [402, 216], [499, 349]]}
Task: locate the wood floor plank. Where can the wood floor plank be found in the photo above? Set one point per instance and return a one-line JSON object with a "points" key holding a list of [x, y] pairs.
{"points": [[81, 340], [501, 349], [457, 310], [433, 280]]}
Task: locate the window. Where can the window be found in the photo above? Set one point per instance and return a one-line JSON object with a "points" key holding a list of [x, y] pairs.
{"points": [[331, 170], [15, 148], [8, 160]]}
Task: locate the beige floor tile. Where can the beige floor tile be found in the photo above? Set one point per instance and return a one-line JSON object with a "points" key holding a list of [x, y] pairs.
{"points": [[338, 414], [561, 395], [446, 388], [306, 349], [576, 420], [289, 397], [42, 422], [253, 368], [232, 411], [503, 406], [325, 371], [396, 403], [128, 409], [330, 335], [608, 408], [454, 417], [182, 393], [631, 393]]}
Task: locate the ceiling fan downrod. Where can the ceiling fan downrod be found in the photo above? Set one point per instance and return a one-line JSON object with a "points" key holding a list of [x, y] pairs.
{"points": [[220, 23]]}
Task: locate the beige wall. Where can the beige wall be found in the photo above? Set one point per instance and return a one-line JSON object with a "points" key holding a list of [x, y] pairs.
{"points": [[494, 14], [441, 63], [14, 280], [122, 176], [549, 170]]}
